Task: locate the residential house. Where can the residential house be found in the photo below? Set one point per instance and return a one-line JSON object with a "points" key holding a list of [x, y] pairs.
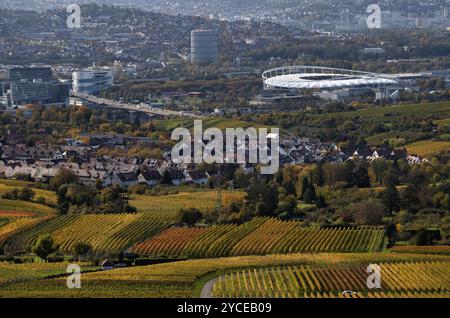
{"points": [[125, 179], [177, 177], [150, 177], [197, 177]]}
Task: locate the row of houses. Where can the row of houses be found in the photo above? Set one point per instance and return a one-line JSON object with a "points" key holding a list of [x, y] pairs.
{"points": [[385, 152], [42, 162], [143, 174], [311, 150]]}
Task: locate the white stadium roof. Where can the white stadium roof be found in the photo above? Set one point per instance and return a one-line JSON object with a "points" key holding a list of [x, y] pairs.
{"points": [[313, 77]]}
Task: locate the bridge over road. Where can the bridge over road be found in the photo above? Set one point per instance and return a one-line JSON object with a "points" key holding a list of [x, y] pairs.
{"points": [[145, 108]]}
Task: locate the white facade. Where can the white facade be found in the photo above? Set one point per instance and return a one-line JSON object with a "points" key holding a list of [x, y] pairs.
{"points": [[315, 77], [92, 81]]}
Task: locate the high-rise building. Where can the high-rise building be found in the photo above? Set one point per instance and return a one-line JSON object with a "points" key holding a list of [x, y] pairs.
{"points": [[18, 73], [26, 85], [204, 47], [92, 80]]}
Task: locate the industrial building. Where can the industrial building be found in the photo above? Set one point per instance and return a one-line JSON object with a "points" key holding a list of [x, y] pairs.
{"points": [[29, 85], [92, 80], [204, 47]]}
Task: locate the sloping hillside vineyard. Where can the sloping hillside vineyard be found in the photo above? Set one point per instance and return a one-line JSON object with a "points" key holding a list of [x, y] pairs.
{"points": [[259, 237], [402, 279], [310, 275]]}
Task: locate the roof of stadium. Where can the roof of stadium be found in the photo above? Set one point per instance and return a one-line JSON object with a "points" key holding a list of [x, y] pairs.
{"points": [[315, 77]]}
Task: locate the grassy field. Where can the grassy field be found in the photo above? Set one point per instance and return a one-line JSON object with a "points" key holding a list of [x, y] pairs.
{"points": [[186, 278], [443, 122], [16, 183], [166, 207], [390, 113], [221, 123], [428, 148], [408, 136]]}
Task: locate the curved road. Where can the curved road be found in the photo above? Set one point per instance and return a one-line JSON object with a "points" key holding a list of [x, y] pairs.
{"points": [[207, 289]]}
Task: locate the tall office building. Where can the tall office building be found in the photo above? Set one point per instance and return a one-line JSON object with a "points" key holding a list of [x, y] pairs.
{"points": [[29, 74], [92, 80], [204, 47], [28, 85]]}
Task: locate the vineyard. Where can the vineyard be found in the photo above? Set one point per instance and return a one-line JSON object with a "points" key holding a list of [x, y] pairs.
{"points": [[19, 216], [15, 214], [105, 233], [49, 196], [14, 226], [398, 280], [184, 278], [166, 207], [259, 237], [428, 148], [172, 241], [24, 206], [29, 271], [445, 249]]}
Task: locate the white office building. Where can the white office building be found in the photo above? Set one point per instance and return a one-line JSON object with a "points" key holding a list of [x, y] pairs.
{"points": [[92, 80]]}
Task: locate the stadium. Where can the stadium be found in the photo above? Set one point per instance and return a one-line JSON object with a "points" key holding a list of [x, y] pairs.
{"points": [[297, 78]]}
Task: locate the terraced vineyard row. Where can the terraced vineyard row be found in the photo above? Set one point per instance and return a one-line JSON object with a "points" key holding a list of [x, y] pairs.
{"points": [[179, 279], [171, 241], [445, 249], [166, 207], [397, 280], [37, 209], [259, 237], [276, 236], [18, 216], [104, 232], [31, 271], [15, 226]]}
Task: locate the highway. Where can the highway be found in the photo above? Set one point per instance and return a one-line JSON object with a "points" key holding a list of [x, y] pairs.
{"points": [[145, 108]]}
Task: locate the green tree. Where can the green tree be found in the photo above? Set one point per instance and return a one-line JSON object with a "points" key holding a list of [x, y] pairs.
{"points": [[390, 198], [321, 203], [290, 188], [190, 216], [319, 175], [64, 176], [369, 212], [44, 246], [81, 249], [379, 167], [26, 194], [310, 194], [305, 186]]}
